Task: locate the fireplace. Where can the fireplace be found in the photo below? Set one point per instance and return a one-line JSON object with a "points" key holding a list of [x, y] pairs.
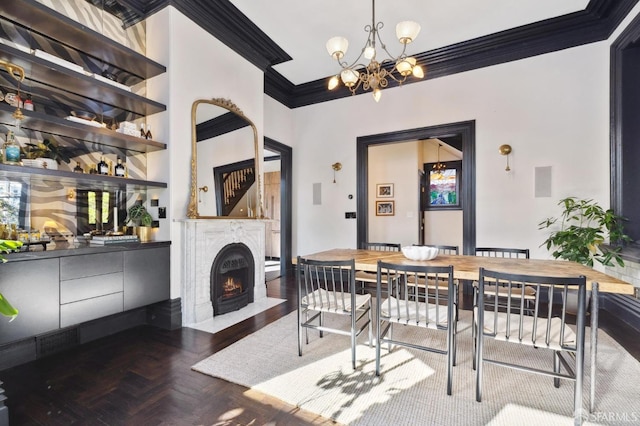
{"points": [[232, 279]]}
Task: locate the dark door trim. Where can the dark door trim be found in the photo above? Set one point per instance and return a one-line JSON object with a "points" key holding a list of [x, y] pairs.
{"points": [[286, 191], [465, 129]]}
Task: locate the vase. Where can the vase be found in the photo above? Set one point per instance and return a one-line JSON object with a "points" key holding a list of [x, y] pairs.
{"points": [[144, 233]]}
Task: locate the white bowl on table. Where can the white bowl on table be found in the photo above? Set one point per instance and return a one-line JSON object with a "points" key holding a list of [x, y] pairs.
{"points": [[420, 252]]}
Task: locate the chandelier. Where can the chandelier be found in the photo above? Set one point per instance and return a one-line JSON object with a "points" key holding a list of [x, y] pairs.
{"points": [[438, 167], [375, 76]]}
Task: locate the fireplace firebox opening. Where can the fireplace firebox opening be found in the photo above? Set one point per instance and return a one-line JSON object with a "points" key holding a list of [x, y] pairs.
{"points": [[232, 278]]}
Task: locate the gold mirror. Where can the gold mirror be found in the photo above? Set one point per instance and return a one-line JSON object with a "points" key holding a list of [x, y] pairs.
{"points": [[225, 171]]}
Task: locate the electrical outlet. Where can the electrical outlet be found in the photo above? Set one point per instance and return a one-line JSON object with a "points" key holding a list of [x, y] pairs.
{"points": [[154, 202], [155, 224], [350, 215], [162, 212]]}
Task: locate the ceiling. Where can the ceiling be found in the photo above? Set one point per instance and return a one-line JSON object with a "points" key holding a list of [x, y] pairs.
{"points": [[287, 38], [302, 28]]}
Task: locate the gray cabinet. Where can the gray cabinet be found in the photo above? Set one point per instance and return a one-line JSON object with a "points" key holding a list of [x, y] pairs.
{"points": [[146, 277], [90, 287], [32, 287]]}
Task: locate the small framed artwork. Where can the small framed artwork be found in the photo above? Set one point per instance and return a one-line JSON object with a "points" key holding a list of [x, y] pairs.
{"points": [[384, 190], [385, 208]]}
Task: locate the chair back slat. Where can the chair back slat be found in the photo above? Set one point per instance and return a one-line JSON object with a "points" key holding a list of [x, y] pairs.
{"points": [[328, 284], [502, 252], [545, 324]]}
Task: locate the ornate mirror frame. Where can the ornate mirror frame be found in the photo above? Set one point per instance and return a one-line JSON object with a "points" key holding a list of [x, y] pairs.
{"points": [[192, 210]]}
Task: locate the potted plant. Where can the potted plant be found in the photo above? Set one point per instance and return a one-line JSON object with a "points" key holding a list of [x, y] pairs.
{"points": [[140, 217], [584, 228], [6, 309], [47, 150]]}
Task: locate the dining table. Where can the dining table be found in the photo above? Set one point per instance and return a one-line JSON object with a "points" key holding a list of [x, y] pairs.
{"points": [[468, 268]]}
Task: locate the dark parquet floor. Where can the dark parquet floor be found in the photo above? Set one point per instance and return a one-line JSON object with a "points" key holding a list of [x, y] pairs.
{"points": [[143, 376]]}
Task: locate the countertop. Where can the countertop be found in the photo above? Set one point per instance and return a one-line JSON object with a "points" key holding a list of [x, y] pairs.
{"points": [[75, 249]]}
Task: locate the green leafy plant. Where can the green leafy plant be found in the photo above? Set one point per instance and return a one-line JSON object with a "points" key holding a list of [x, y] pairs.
{"points": [[47, 149], [139, 215], [6, 309], [584, 228]]}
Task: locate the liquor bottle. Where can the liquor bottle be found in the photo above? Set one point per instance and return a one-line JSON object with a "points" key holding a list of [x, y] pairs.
{"points": [[78, 168], [103, 167], [93, 170], [148, 134], [11, 150], [143, 134], [119, 169]]}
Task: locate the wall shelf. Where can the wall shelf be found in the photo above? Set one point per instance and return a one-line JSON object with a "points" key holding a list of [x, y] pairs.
{"points": [[41, 19], [88, 134], [61, 178], [51, 73]]}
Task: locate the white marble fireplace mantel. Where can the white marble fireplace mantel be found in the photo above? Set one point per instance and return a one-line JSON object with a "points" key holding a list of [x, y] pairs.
{"points": [[202, 241]]}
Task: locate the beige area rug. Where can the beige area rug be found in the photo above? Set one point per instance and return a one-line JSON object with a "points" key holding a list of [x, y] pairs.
{"points": [[412, 387]]}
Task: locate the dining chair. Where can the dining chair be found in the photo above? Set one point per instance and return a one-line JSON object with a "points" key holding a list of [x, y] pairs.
{"points": [[510, 253], [544, 328], [328, 287], [398, 302], [367, 279], [448, 250]]}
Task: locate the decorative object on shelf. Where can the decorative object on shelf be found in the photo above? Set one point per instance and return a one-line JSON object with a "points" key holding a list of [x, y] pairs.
{"points": [[584, 227], [336, 168], [505, 150], [47, 150], [78, 168], [119, 169], [148, 134], [16, 72], [11, 150], [384, 190], [375, 75]]}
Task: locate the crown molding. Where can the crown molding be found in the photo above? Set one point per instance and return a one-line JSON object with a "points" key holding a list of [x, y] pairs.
{"points": [[220, 125]]}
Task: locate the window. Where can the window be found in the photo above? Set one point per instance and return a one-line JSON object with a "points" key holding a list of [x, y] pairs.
{"points": [[12, 203], [443, 186]]}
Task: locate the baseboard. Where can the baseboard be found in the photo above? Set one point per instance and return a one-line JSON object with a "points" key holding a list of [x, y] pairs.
{"points": [[623, 307], [166, 314]]}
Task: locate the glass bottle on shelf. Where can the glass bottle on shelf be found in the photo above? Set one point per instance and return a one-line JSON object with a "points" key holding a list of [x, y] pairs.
{"points": [[103, 167], [148, 135], [78, 168], [28, 104], [93, 170], [119, 169], [143, 134], [11, 150]]}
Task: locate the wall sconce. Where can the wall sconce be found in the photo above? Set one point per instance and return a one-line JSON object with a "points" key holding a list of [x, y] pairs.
{"points": [[336, 168], [505, 150], [200, 190]]}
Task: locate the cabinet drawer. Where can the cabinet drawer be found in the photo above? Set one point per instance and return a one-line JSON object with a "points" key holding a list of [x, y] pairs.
{"points": [[89, 265], [88, 287], [90, 309]]}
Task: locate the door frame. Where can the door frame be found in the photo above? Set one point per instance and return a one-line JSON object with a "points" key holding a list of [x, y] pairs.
{"points": [[286, 191], [466, 129]]}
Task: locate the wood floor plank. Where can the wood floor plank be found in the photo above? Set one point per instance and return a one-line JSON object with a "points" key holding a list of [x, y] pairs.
{"points": [[143, 376]]}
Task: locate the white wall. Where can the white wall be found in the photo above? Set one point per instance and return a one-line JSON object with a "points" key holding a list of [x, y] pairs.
{"points": [[397, 164], [214, 71], [552, 109]]}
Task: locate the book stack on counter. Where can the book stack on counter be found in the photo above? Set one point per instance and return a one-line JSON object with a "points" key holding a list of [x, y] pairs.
{"points": [[114, 239]]}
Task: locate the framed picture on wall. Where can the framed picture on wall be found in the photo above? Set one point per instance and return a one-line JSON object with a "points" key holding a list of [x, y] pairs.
{"points": [[385, 208], [443, 186], [384, 190]]}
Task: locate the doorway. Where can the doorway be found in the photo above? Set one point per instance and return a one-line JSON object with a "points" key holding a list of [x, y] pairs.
{"points": [[278, 203], [464, 130]]}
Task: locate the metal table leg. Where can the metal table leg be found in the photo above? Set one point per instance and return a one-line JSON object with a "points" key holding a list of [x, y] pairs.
{"points": [[594, 343]]}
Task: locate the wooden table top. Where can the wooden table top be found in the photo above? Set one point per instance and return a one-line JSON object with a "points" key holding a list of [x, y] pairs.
{"points": [[468, 267]]}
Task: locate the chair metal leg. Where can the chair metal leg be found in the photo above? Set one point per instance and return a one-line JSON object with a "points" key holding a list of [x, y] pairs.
{"points": [[594, 344], [321, 319], [370, 324], [299, 332], [451, 344], [556, 368], [378, 334]]}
